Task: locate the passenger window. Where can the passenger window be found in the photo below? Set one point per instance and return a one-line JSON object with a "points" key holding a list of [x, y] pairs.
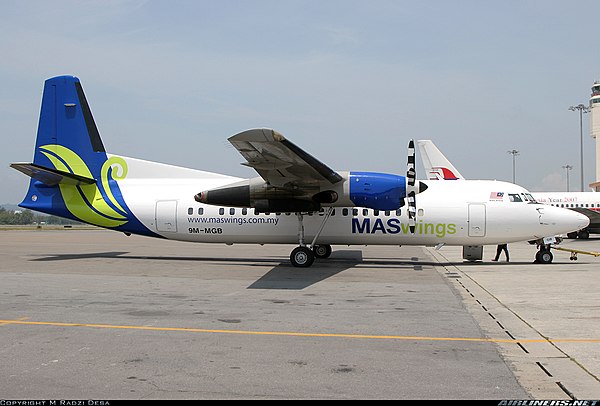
{"points": [[232, 211], [398, 212], [200, 211], [221, 211], [365, 212], [190, 211], [355, 212], [376, 213], [344, 212], [244, 211], [387, 213]]}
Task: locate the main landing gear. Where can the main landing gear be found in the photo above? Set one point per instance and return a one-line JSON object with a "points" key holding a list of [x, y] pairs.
{"points": [[581, 234], [304, 255]]}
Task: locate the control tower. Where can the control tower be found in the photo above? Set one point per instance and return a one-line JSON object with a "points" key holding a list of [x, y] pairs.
{"points": [[595, 130]]}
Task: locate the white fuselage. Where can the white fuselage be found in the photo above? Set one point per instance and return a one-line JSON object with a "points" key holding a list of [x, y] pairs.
{"points": [[451, 213]]}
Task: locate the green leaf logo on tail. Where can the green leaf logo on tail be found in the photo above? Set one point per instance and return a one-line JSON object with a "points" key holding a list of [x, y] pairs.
{"points": [[88, 202]]}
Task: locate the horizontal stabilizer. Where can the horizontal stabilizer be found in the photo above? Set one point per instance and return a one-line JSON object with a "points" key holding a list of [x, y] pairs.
{"points": [[51, 177]]}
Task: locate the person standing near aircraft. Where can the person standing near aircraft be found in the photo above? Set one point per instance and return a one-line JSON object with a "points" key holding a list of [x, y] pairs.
{"points": [[501, 247]]}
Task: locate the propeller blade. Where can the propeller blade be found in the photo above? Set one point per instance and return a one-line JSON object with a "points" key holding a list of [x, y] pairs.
{"points": [[411, 173], [412, 212], [411, 189]]}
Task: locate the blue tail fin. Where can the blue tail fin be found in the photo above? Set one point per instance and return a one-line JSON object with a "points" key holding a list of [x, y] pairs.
{"points": [[72, 176], [66, 120]]}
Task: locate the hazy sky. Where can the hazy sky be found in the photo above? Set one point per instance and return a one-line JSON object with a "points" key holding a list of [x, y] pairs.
{"points": [[349, 81]]}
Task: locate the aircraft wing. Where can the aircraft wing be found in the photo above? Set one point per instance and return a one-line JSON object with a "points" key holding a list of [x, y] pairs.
{"points": [[279, 162]]}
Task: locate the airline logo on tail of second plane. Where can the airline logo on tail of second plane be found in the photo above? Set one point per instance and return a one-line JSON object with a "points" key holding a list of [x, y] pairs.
{"points": [[441, 173]]}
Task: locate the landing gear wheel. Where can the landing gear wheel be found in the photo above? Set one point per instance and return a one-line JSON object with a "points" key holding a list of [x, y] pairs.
{"points": [[544, 257], [322, 251], [302, 257], [572, 235], [583, 234]]}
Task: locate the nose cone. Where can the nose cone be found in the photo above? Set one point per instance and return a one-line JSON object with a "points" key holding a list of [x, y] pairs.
{"points": [[563, 221], [582, 220], [200, 197]]}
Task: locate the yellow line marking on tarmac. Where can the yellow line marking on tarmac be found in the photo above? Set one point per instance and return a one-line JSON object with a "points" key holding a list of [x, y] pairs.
{"points": [[5, 322], [290, 334]]}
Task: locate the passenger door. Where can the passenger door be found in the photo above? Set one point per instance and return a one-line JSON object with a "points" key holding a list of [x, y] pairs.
{"points": [[166, 216], [477, 220]]}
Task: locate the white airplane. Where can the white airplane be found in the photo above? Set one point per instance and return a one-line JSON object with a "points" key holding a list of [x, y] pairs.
{"points": [[295, 200], [438, 167]]}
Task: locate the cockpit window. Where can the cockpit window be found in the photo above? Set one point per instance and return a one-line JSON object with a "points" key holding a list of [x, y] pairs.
{"points": [[514, 197], [531, 198]]}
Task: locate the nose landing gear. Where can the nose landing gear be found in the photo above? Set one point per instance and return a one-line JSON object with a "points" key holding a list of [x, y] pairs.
{"points": [[544, 255]]}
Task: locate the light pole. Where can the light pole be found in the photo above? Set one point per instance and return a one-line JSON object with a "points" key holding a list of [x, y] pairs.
{"points": [[514, 153], [582, 109], [568, 168]]}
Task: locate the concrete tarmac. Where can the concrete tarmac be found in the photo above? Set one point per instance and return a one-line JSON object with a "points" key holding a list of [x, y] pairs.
{"points": [[93, 314]]}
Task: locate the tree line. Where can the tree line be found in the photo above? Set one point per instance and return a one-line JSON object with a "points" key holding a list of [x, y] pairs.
{"points": [[26, 217]]}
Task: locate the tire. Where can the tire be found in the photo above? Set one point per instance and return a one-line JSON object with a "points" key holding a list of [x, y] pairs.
{"points": [[583, 234], [322, 251], [302, 257], [572, 235], [544, 257]]}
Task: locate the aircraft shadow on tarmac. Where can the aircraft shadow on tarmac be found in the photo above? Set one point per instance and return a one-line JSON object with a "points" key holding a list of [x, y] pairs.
{"points": [[283, 275]]}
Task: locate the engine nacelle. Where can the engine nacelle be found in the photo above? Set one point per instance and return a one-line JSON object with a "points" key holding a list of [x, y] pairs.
{"points": [[379, 191], [258, 194]]}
